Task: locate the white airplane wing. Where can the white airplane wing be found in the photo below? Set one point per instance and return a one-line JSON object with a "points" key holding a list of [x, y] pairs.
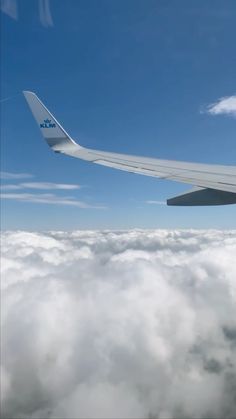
{"points": [[214, 184]]}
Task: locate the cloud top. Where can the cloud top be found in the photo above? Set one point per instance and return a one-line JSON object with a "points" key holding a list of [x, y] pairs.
{"points": [[126, 324]]}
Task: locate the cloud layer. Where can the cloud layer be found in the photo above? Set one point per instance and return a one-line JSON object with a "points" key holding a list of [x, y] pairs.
{"points": [[224, 106], [127, 324]]}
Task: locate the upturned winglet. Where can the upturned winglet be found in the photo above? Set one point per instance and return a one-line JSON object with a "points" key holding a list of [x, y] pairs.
{"points": [[55, 135]]}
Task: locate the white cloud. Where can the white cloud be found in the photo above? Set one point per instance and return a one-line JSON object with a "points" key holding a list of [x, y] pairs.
{"points": [[41, 185], [13, 176], [127, 324], [224, 106], [52, 199]]}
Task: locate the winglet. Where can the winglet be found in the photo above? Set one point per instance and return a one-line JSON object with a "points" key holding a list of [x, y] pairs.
{"points": [[55, 135]]}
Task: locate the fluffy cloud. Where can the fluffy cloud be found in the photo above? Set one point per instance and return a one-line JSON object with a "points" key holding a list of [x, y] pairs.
{"points": [[127, 324], [225, 106]]}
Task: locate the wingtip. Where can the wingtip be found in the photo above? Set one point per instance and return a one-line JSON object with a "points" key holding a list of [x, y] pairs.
{"points": [[26, 92]]}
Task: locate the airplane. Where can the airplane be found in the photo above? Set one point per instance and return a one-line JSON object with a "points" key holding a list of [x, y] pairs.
{"points": [[214, 184]]}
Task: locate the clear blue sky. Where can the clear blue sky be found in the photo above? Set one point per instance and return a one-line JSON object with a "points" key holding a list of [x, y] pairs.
{"points": [[127, 76]]}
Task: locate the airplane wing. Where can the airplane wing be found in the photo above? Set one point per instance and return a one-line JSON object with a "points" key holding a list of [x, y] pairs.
{"points": [[214, 184]]}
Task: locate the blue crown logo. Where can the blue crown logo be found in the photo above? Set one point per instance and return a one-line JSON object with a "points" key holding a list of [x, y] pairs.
{"points": [[47, 123]]}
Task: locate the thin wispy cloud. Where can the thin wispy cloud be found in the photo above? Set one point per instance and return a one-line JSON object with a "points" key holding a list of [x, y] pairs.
{"points": [[10, 8], [150, 202], [45, 13], [10, 187], [41, 186], [40, 198], [14, 176], [50, 185], [50, 199], [223, 106], [5, 99]]}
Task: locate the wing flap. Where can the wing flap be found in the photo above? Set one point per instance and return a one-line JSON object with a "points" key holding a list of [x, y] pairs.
{"points": [[201, 197]]}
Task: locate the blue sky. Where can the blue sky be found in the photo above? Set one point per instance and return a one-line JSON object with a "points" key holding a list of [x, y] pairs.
{"points": [[127, 76]]}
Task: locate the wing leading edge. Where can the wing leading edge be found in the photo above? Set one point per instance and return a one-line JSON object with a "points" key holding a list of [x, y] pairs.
{"points": [[216, 184]]}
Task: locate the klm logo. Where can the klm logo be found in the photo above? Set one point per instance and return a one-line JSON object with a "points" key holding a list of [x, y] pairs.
{"points": [[47, 123]]}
